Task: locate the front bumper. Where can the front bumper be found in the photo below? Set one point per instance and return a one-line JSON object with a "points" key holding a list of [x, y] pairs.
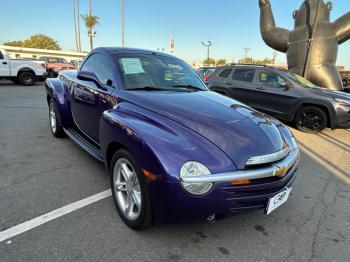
{"points": [[342, 117], [279, 168], [41, 78], [170, 203]]}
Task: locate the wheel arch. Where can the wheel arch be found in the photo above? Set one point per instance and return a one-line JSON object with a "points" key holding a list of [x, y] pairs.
{"points": [[115, 134], [323, 107], [59, 92], [219, 90], [25, 69]]}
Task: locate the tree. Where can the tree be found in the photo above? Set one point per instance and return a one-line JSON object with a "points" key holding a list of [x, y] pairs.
{"points": [[221, 62], [18, 43], [36, 41], [250, 60], [90, 22], [209, 62], [42, 42]]}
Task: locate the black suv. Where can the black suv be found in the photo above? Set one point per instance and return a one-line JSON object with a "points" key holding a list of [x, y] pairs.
{"points": [[284, 95]]}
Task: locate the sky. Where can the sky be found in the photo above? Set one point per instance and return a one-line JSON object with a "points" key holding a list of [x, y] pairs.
{"points": [[230, 25]]}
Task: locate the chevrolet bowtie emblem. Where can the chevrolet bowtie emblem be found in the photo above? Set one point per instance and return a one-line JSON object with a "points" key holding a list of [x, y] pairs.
{"points": [[281, 171]]}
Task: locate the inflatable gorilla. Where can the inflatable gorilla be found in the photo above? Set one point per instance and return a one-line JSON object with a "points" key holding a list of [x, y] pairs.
{"points": [[312, 46]]}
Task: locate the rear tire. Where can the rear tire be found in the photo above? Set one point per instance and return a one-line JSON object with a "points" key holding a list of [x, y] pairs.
{"points": [[55, 120], [311, 119], [27, 78], [130, 191]]}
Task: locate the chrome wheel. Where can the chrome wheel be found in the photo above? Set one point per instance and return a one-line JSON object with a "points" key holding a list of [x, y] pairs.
{"points": [[127, 189], [53, 120]]}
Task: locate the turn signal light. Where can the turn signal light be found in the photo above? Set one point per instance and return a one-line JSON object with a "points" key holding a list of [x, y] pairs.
{"points": [[240, 182], [149, 175]]}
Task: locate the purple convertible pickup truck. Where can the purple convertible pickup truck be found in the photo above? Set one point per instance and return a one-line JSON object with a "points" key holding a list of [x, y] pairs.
{"points": [[175, 151]]}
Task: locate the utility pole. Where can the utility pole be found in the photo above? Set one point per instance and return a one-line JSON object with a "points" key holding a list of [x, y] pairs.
{"points": [[78, 26], [274, 56], [208, 45], [91, 32], [246, 50], [75, 25], [123, 21]]}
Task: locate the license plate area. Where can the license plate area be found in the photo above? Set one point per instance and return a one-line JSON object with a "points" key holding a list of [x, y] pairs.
{"points": [[277, 200]]}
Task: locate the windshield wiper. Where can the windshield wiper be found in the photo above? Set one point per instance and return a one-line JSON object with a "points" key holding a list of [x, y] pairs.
{"points": [[148, 88], [190, 87]]}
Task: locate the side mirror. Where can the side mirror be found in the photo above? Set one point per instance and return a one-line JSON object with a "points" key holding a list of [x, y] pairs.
{"points": [[286, 85], [90, 76]]}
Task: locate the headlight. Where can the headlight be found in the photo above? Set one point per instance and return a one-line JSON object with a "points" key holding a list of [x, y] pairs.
{"points": [[342, 102], [293, 143], [192, 168]]}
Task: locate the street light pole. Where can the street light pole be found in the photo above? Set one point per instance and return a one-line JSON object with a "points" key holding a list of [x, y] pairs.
{"points": [[208, 45], [123, 19]]}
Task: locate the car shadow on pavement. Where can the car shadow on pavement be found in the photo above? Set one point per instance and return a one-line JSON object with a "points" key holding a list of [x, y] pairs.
{"points": [[335, 141]]}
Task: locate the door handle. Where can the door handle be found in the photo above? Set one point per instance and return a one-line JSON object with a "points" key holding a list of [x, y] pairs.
{"points": [[4, 63], [260, 88]]}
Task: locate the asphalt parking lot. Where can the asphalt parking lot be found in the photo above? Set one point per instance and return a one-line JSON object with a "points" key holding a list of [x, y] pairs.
{"points": [[39, 174]]}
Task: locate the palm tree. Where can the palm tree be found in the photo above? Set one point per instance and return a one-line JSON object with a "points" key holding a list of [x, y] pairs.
{"points": [[90, 22]]}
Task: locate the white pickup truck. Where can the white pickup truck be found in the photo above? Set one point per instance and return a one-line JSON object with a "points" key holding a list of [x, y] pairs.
{"points": [[25, 72]]}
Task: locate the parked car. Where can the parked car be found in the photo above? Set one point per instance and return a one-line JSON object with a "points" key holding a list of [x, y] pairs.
{"points": [[346, 80], [56, 64], [175, 151], [284, 95], [25, 72], [205, 71], [76, 63]]}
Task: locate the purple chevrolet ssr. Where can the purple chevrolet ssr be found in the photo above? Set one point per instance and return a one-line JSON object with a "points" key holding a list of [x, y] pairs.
{"points": [[175, 151]]}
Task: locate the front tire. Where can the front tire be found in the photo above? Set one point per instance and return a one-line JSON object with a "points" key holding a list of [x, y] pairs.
{"points": [[130, 192], [27, 78], [311, 119], [51, 74], [55, 120]]}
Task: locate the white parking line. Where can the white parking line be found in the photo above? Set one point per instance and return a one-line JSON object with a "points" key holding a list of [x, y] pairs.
{"points": [[35, 222]]}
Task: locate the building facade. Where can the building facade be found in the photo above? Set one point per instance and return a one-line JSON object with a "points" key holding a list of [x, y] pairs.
{"points": [[34, 53]]}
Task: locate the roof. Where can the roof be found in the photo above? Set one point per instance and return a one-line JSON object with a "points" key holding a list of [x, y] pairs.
{"points": [[124, 50], [46, 51], [271, 67]]}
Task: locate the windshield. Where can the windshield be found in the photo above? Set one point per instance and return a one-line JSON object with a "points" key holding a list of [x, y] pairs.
{"points": [[202, 72], [300, 80], [157, 73], [57, 60]]}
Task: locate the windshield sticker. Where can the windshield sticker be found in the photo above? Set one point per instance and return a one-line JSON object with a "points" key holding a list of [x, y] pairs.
{"points": [[132, 66]]}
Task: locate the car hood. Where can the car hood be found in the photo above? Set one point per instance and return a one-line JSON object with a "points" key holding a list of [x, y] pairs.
{"points": [[236, 129], [323, 92]]}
